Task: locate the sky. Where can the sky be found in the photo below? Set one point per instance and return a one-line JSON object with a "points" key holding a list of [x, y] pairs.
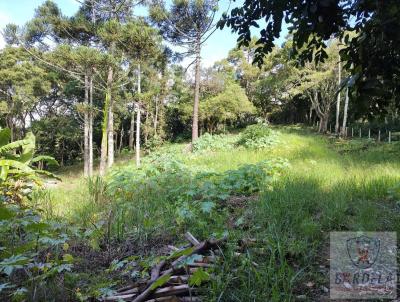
{"points": [[215, 49]]}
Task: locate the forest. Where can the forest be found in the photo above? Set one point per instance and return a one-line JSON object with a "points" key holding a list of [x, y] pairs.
{"points": [[132, 169]]}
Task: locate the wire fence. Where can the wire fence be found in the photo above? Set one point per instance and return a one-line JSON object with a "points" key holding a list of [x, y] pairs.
{"points": [[373, 133]]}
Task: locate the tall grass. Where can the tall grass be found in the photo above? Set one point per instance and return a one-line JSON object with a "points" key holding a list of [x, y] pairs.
{"points": [[331, 185]]}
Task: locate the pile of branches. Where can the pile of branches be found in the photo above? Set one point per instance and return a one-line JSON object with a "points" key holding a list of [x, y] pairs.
{"points": [[169, 280]]}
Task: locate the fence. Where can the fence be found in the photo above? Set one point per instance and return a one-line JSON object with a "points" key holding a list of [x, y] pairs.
{"points": [[371, 133]]}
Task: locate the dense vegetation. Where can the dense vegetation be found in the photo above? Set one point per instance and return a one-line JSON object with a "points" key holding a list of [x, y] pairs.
{"points": [[111, 150]]}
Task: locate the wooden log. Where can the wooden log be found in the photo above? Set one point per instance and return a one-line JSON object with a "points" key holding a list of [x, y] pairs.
{"points": [[155, 272], [171, 291], [173, 248], [178, 279], [176, 299], [134, 290], [191, 238], [205, 245], [119, 298]]}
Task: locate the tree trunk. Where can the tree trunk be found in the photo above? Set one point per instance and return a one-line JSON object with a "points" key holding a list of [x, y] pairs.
{"points": [[195, 122], [110, 159], [86, 130], [103, 155], [132, 131], [146, 128], [121, 139], [156, 117], [346, 106], [138, 137], [138, 119], [91, 126], [324, 122], [337, 125]]}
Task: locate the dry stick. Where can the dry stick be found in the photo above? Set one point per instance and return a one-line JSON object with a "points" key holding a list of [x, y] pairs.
{"points": [[379, 135], [369, 133], [173, 298], [171, 291], [176, 264], [173, 248], [390, 137], [191, 238]]}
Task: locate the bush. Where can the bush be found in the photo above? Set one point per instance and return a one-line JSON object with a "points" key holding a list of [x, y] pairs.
{"points": [[153, 143], [208, 142], [257, 136]]}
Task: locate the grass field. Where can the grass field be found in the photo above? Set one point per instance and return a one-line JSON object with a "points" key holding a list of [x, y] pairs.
{"points": [[330, 185]]}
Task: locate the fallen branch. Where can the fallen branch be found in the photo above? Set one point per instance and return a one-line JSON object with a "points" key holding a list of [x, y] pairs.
{"points": [[191, 238]]}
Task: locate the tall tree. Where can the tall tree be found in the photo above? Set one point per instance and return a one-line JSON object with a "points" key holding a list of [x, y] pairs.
{"points": [[188, 24]]}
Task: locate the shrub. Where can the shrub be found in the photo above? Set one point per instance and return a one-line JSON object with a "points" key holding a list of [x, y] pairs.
{"points": [[153, 143], [208, 142], [257, 136]]}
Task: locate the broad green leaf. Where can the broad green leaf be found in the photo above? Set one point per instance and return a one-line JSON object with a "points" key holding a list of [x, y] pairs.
{"points": [[5, 136], [15, 164], [184, 252], [199, 277], [29, 149], [5, 213], [4, 172], [68, 258], [14, 145], [47, 173], [160, 281], [48, 159], [37, 227]]}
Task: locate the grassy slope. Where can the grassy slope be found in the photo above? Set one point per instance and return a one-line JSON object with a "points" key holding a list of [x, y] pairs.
{"points": [[323, 191], [330, 186]]}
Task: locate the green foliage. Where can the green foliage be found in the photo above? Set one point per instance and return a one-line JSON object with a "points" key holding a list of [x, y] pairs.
{"points": [[153, 143], [225, 106], [216, 142], [257, 136], [199, 277], [24, 237]]}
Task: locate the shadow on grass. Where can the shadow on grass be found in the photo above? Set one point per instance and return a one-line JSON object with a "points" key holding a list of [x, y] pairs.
{"points": [[293, 223]]}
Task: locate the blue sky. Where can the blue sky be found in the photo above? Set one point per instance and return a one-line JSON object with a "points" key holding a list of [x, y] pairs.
{"points": [[20, 11]]}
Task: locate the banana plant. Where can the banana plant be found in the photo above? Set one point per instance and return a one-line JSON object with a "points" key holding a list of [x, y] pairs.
{"points": [[17, 158]]}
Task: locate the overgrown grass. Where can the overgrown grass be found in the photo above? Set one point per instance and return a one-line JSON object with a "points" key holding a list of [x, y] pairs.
{"points": [[331, 185]]}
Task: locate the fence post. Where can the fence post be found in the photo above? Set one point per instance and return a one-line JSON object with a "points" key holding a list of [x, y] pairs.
{"points": [[390, 137], [369, 133], [360, 132], [352, 132], [347, 130], [330, 128], [379, 135]]}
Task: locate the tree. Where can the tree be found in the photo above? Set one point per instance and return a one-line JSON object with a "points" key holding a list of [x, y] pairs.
{"points": [[22, 83], [226, 106], [369, 30], [188, 24]]}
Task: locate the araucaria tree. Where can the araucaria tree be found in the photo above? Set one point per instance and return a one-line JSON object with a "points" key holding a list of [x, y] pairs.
{"points": [[188, 24]]}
